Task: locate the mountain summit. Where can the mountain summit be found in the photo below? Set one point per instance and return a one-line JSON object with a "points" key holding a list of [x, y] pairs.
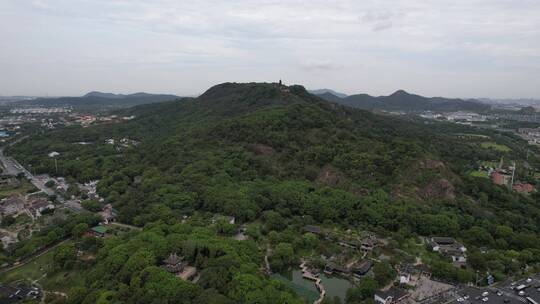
{"points": [[401, 100]]}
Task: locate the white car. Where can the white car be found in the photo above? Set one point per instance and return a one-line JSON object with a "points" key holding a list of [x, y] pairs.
{"points": [[485, 299]]}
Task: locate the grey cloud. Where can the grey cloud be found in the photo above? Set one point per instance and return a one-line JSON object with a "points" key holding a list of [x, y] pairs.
{"points": [[320, 66]]}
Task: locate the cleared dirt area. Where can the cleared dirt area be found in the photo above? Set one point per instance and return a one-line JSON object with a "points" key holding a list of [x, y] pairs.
{"points": [[426, 288]]}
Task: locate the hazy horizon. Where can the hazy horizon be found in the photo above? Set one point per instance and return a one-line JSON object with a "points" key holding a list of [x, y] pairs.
{"points": [[463, 49]]}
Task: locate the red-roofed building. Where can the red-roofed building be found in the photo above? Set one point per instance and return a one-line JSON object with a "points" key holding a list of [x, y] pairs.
{"points": [[523, 188], [499, 178]]}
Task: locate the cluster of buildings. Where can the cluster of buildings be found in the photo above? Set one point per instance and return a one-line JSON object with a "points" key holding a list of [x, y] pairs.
{"points": [[40, 110], [90, 189], [86, 119], [15, 205], [531, 135], [334, 265], [97, 231], [451, 248], [393, 295], [457, 117], [505, 176], [462, 116], [365, 244], [520, 117]]}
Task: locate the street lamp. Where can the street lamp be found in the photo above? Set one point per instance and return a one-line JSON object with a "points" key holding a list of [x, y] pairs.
{"points": [[54, 154]]}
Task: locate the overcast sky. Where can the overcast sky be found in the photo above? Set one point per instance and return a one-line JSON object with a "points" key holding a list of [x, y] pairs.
{"points": [[454, 48]]}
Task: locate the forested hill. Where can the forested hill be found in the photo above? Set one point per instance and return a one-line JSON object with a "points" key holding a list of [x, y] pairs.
{"points": [[245, 149], [279, 158], [99, 99], [403, 101]]}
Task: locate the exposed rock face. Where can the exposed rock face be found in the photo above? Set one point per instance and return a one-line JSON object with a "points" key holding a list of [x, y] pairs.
{"points": [[330, 176], [260, 149], [426, 180], [432, 164], [441, 188]]}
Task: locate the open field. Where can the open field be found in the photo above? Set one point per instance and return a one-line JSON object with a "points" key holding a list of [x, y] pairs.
{"points": [[40, 270], [494, 146]]}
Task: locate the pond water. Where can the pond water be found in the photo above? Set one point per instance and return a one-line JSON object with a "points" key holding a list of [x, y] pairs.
{"points": [[335, 286]]}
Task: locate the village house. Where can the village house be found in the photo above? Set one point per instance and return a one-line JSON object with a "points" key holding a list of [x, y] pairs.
{"points": [[391, 296], [501, 178], [90, 189], [523, 187], [404, 278], [332, 268], [314, 229], [37, 205], [368, 243], [97, 231], [108, 214], [8, 181], [449, 247], [362, 268], [174, 263]]}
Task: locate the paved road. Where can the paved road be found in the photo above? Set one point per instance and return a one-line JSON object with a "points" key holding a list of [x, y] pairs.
{"points": [[126, 226], [13, 167]]}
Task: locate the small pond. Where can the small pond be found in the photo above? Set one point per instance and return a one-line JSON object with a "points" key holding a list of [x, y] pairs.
{"points": [[335, 286]]}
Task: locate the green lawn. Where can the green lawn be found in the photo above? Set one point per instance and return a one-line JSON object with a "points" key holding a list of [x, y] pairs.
{"points": [[41, 269], [481, 174], [494, 146]]}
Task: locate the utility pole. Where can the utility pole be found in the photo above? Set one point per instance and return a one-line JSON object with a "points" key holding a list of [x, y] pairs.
{"points": [[513, 172], [56, 165]]}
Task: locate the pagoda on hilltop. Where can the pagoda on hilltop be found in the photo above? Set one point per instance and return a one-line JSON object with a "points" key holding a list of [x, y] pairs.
{"points": [[174, 263]]}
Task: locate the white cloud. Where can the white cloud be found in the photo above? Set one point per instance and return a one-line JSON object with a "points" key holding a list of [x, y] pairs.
{"points": [[385, 43]]}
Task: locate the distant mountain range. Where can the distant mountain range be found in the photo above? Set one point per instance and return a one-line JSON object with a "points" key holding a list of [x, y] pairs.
{"points": [[330, 91], [403, 101], [100, 99]]}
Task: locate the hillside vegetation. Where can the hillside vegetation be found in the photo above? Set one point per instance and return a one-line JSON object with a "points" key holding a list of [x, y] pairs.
{"points": [[261, 152]]}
